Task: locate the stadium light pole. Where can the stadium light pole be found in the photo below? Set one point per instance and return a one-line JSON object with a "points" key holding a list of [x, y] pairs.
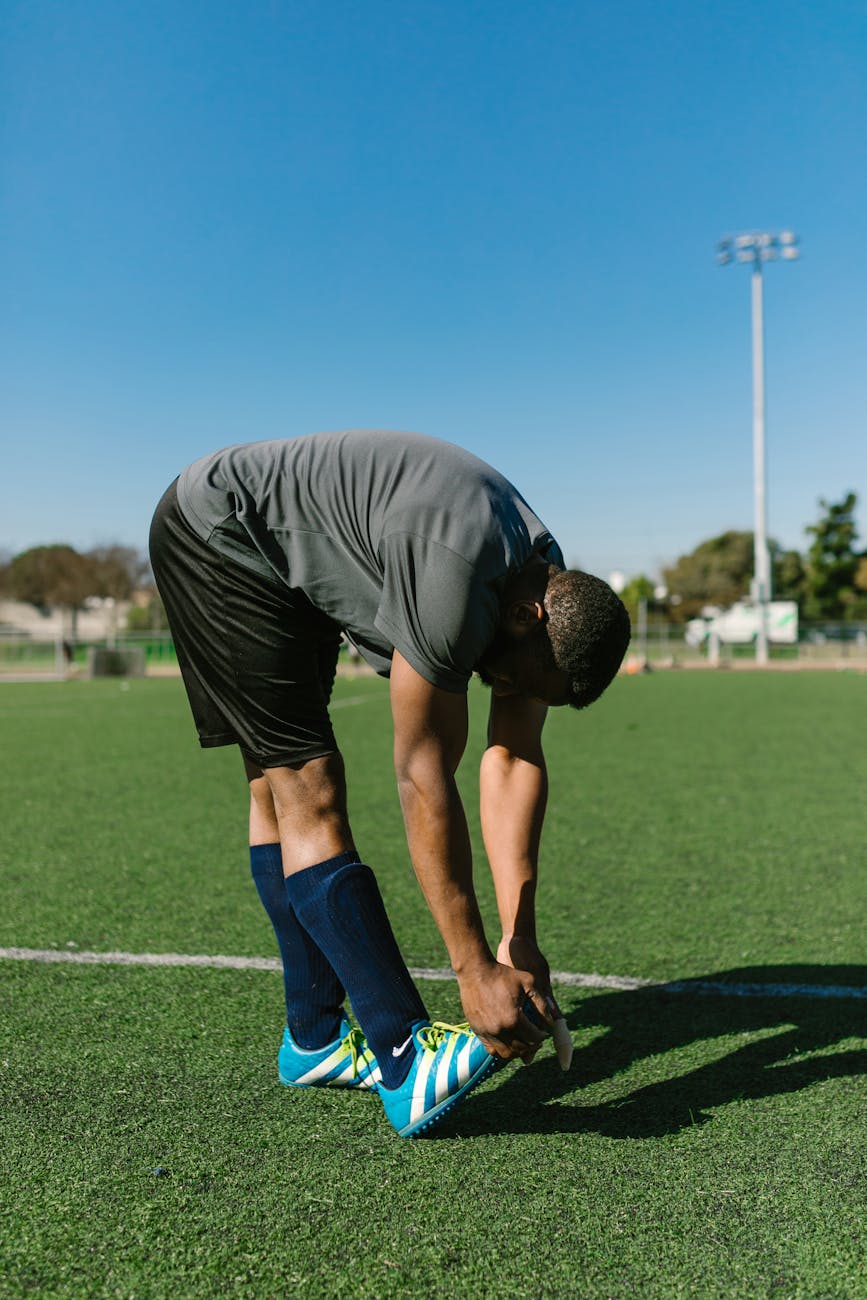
{"points": [[755, 248]]}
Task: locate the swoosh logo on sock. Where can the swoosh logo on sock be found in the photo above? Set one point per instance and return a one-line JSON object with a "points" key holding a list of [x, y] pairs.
{"points": [[399, 1051]]}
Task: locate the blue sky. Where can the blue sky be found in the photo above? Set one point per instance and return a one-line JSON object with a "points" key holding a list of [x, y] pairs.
{"points": [[487, 220]]}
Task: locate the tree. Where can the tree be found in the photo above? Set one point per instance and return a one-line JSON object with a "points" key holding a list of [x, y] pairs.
{"points": [[49, 576], [833, 564], [788, 575], [858, 608], [115, 571], [636, 590], [150, 616], [717, 572]]}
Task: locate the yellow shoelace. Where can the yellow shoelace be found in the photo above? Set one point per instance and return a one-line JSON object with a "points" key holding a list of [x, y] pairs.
{"points": [[354, 1042], [432, 1036]]}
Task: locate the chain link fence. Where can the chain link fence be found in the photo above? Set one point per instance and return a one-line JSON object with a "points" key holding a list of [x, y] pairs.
{"points": [[662, 645], [829, 645]]}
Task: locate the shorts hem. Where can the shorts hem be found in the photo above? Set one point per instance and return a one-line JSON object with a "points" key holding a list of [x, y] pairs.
{"points": [[286, 758]]}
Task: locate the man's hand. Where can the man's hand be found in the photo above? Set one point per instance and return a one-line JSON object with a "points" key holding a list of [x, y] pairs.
{"points": [[524, 955], [493, 997], [520, 951]]}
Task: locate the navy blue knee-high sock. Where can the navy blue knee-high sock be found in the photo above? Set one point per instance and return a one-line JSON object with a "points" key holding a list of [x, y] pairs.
{"points": [[314, 994], [339, 904]]}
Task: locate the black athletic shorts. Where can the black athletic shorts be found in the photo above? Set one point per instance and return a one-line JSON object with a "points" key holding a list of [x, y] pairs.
{"points": [[258, 660]]}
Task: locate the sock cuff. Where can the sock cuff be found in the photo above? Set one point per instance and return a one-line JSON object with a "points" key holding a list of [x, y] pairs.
{"points": [[353, 889], [312, 881], [266, 860]]}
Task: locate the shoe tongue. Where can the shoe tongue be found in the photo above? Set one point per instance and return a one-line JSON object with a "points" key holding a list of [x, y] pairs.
{"points": [[435, 1035], [425, 1036]]}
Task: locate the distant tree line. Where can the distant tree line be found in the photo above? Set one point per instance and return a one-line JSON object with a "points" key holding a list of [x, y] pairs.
{"points": [[60, 577], [828, 581]]}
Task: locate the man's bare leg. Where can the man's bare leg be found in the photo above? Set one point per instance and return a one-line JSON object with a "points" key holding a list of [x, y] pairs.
{"points": [[314, 993], [303, 807]]}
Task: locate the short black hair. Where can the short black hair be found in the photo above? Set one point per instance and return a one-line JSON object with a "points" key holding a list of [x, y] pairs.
{"points": [[588, 630]]}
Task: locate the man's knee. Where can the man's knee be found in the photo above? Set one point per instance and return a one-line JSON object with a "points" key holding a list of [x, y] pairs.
{"points": [[313, 789]]}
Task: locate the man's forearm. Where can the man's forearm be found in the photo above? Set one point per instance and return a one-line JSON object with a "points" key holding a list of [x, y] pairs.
{"points": [[439, 846], [430, 735], [513, 795]]}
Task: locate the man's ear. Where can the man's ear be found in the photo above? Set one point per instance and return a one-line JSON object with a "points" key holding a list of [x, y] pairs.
{"points": [[525, 615]]}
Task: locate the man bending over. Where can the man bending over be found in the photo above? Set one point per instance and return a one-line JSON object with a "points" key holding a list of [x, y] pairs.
{"points": [[434, 567]]}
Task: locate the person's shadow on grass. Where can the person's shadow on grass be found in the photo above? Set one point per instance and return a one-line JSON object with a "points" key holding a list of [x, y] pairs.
{"points": [[787, 1041]]}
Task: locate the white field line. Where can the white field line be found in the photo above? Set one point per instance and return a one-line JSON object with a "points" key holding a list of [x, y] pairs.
{"points": [[574, 979], [352, 699]]}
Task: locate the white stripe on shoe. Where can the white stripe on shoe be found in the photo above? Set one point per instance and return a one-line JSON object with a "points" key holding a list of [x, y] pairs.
{"points": [[464, 1062], [419, 1092], [346, 1075], [324, 1067], [442, 1078], [368, 1075]]}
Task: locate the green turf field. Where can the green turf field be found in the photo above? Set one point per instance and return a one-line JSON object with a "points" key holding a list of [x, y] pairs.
{"points": [[700, 826]]}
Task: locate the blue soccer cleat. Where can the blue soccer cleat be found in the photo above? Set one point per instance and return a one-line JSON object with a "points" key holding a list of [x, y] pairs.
{"points": [[346, 1063], [449, 1061]]}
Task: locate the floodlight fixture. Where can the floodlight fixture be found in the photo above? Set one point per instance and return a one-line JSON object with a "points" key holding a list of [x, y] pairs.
{"points": [[756, 247]]}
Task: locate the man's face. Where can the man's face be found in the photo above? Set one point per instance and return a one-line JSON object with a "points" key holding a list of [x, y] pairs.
{"points": [[512, 668]]}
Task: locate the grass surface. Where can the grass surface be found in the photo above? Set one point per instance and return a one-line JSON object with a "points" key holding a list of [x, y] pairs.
{"points": [[699, 825]]}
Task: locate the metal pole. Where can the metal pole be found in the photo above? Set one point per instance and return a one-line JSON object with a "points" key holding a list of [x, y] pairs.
{"points": [[755, 248], [760, 540]]}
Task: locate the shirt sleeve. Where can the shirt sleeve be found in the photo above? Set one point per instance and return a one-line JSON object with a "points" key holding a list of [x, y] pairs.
{"points": [[436, 608]]}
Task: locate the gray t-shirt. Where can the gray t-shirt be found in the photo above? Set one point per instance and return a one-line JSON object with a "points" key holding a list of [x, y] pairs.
{"points": [[403, 540]]}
